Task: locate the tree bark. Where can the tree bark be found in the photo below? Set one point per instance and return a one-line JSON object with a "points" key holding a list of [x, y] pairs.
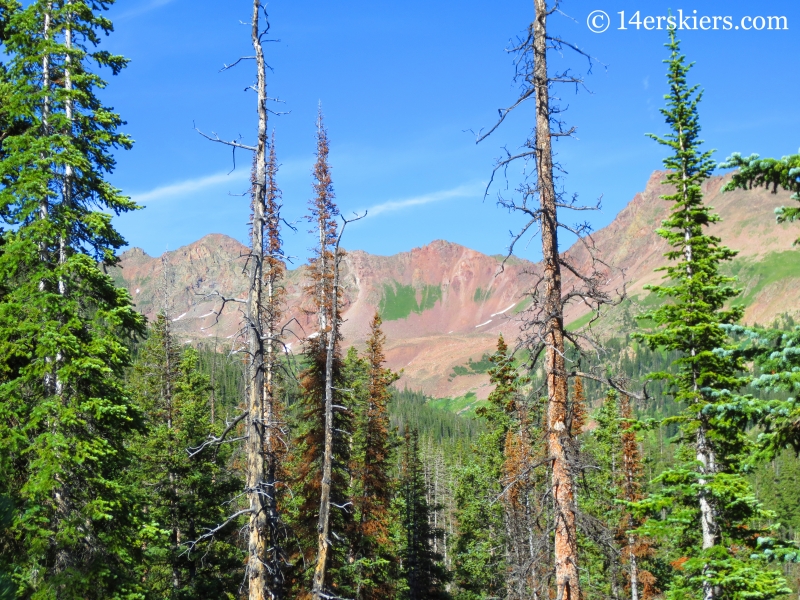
{"points": [[320, 571], [271, 415], [708, 517], [565, 542], [634, 569], [257, 492]]}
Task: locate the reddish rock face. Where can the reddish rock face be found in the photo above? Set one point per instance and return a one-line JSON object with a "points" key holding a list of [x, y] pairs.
{"points": [[446, 303]]}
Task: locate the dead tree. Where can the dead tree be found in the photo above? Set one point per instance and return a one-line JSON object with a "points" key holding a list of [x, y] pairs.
{"points": [[273, 423], [323, 350], [327, 442], [260, 418], [635, 547], [543, 327]]}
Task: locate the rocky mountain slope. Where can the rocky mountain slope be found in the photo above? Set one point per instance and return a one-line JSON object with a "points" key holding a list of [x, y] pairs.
{"points": [[444, 305]]}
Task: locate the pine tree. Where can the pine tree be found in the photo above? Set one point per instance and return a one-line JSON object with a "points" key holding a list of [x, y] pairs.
{"points": [[706, 492], [525, 482], [270, 418], [481, 546], [185, 492], [774, 350], [577, 409], [422, 572], [264, 564], [372, 553], [64, 326], [325, 517], [613, 483]]}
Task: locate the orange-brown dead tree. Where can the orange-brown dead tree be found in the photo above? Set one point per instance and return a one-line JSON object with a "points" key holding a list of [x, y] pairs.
{"points": [[326, 441], [373, 480], [523, 482], [539, 199], [578, 408], [565, 544], [635, 547], [274, 431]]}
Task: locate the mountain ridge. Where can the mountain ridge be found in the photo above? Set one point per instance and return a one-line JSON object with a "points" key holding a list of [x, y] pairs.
{"points": [[444, 304]]}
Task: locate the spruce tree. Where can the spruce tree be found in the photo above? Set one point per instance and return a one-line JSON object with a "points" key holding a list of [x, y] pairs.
{"points": [[64, 325], [9, 121], [323, 445], [185, 491], [616, 555], [598, 492], [636, 550], [423, 576], [481, 545], [704, 506], [775, 350], [372, 554], [6, 507]]}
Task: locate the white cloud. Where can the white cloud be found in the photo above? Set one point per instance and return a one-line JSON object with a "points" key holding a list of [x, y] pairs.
{"points": [[461, 191], [176, 190], [287, 170], [142, 8]]}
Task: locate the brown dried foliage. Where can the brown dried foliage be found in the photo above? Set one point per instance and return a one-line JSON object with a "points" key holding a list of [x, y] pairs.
{"points": [[375, 482], [326, 302], [632, 475], [578, 408]]}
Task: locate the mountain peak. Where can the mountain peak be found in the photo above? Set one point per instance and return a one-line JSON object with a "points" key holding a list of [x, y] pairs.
{"points": [[444, 304]]}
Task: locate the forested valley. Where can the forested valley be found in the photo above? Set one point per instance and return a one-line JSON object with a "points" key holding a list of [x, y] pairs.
{"points": [[656, 459]]}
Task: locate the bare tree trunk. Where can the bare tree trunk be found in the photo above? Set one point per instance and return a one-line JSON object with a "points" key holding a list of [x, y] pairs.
{"points": [[320, 571], [634, 569], [565, 543], [708, 517], [257, 492], [272, 426]]}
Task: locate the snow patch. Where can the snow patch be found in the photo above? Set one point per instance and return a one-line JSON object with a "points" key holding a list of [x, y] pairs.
{"points": [[179, 318], [137, 290], [213, 312], [313, 335], [502, 311], [482, 324], [449, 332]]}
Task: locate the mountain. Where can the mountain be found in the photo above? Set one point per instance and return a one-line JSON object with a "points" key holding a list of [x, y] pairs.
{"points": [[444, 305]]}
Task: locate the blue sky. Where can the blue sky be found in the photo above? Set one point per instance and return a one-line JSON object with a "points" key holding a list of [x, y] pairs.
{"points": [[401, 86]]}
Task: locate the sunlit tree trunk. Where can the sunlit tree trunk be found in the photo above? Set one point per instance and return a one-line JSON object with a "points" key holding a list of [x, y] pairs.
{"points": [[257, 491], [565, 542]]}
